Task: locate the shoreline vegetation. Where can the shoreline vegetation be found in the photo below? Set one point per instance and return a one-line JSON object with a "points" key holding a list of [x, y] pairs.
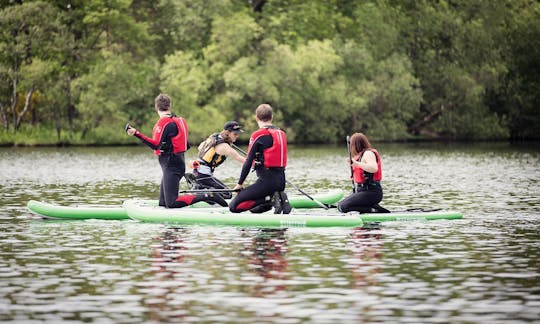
{"points": [[48, 138], [76, 72]]}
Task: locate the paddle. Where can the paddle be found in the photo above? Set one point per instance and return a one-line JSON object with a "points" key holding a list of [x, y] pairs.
{"points": [[288, 182], [208, 190], [348, 139]]}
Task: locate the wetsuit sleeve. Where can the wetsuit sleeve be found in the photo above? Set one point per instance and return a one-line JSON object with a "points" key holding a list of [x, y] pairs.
{"points": [[170, 130], [258, 146]]}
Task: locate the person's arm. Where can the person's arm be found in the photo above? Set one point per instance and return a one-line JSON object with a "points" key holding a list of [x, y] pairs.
{"points": [[368, 162], [258, 146], [226, 150], [170, 130], [246, 167]]}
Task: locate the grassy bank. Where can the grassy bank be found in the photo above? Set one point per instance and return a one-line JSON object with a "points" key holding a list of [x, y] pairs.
{"points": [[48, 136], [107, 136]]}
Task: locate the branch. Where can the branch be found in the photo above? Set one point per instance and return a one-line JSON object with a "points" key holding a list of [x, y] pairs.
{"points": [[417, 127], [26, 108]]}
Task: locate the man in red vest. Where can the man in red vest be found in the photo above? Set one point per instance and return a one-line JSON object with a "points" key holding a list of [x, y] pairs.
{"points": [[267, 155], [169, 142]]}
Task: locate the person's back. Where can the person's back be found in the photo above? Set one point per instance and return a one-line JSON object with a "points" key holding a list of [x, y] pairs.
{"points": [[267, 154], [366, 167]]}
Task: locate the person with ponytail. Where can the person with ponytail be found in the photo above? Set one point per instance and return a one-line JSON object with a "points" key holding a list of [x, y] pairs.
{"points": [[212, 153], [366, 166]]}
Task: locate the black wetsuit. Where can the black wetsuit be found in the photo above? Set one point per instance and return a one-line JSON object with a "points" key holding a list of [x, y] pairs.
{"points": [[206, 181], [368, 191], [363, 200], [269, 180], [173, 167]]}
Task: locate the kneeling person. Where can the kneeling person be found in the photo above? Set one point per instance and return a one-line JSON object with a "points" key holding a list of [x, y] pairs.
{"points": [[267, 154], [212, 153]]}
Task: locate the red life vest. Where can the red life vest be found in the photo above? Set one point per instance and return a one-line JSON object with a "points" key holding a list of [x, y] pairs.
{"points": [[179, 142], [359, 173], [276, 155]]}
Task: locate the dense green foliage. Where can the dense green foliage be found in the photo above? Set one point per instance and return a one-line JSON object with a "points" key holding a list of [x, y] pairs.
{"points": [[394, 69]]}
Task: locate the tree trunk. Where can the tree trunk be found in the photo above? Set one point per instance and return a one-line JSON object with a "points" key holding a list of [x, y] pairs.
{"points": [[26, 108], [14, 102], [417, 128], [3, 116], [257, 5]]}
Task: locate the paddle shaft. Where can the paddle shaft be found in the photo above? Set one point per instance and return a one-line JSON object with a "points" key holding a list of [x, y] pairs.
{"points": [[288, 182], [348, 139], [208, 190]]}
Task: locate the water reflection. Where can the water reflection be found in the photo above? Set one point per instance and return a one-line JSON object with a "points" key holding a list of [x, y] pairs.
{"points": [[168, 254], [366, 246], [267, 257]]}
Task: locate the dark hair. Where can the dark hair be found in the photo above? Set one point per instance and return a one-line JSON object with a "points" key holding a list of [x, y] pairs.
{"points": [[163, 102], [359, 142], [226, 134], [264, 112]]}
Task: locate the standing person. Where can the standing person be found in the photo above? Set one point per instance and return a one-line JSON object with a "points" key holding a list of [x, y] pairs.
{"points": [[267, 155], [367, 175], [212, 153], [169, 142]]}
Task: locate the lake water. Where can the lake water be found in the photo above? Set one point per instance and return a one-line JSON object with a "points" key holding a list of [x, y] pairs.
{"points": [[482, 269]]}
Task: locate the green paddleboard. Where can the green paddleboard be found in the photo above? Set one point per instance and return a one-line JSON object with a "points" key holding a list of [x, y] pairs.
{"points": [[142, 211], [49, 210]]}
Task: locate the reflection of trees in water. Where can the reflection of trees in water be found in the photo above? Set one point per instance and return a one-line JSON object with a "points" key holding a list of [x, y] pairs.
{"points": [[267, 253], [366, 246], [167, 257]]}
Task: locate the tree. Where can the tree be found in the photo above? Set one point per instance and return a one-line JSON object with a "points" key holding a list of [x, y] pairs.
{"points": [[31, 39], [517, 97], [456, 57], [115, 91]]}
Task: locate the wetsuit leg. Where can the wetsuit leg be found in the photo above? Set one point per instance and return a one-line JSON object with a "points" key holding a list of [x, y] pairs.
{"points": [[208, 181], [173, 168], [268, 182], [161, 193], [361, 201], [186, 200]]}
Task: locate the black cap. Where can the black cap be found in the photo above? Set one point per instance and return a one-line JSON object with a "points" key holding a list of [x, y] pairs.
{"points": [[233, 127]]}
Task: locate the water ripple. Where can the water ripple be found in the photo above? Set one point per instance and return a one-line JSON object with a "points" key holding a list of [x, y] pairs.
{"points": [[481, 269]]}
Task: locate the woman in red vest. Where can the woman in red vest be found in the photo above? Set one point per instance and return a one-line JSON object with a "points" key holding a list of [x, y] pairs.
{"points": [[169, 142], [367, 175]]}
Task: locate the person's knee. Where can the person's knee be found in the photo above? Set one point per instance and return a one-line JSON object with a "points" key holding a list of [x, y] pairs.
{"points": [[342, 208], [175, 204], [232, 207]]}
